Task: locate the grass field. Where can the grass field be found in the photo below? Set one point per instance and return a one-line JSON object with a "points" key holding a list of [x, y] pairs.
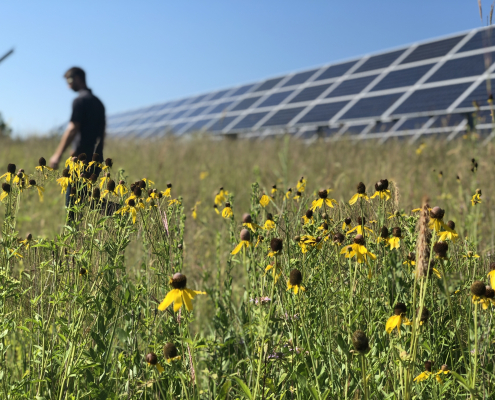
{"points": [[80, 317]]}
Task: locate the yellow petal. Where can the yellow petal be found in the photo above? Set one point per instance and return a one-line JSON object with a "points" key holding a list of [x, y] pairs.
{"points": [[159, 368], [237, 248], [187, 299], [169, 299], [392, 322], [178, 301], [354, 199]]}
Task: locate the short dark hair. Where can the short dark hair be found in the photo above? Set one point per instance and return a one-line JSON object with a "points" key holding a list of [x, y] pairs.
{"points": [[75, 71]]}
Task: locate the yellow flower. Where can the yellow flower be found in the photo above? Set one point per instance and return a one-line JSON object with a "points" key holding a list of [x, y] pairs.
{"points": [[301, 184], [130, 208], [203, 175], [167, 193], [346, 224], [288, 194], [361, 194], [215, 207], [476, 199], [449, 233], [170, 351], [26, 242], [64, 180], [308, 240], [121, 189], [227, 211], [152, 360], [308, 217], [10, 173], [276, 272], [381, 188], [173, 202], [297, 196], [294, 282], [358, 249], [436, 219], [422, 376], [5, 190], [470, 254], [195, 210], [359, 227], [265, 200], [221, 196], [238, 248], [444, 369], [269, 223], [179, 294], [323, 194], [420, 149], [491, 275], [32, 183], [274, 189], [394, 241], [399, 318]]}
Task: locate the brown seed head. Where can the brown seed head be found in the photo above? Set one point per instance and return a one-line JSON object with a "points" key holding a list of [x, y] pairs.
{"points": [[397, 232], [361, 189], [478, 191], [131, 203], [111, 185], [297, 238], [411, 256], [478, 288], [178, 281], [73, 159], [298, 193], [361, 220], [11, 168], [93, 178], [425, 314], [309, 214], [83, 271], [384, 233], [441, 248], [444, 367], [360, 341], [400, 308], [269, 217], [121, 182], [325, 226], [109, 162], [29, 236], [323, 194], [227, 204], [437, 213], [6, 187], [170, 351], [96, 157], [347, 221], [489, 292], [32, 182], [73, 190], [65, 173], [42, 162], [338, 238], [169, 185], [359, 239], [151, 359], [245, 235], [451, 225], [276, 244], [246, 218], [428, 365], [137, 191], [96, 193], [142, 184], [295, 277], [81, 157]]}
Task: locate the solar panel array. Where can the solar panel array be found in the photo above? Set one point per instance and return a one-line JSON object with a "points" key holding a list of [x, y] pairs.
{"points": [[424, 88]]}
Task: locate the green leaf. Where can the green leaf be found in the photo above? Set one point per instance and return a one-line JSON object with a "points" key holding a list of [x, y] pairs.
{"points": [[224, 390], [244, 387], [313, 392]]}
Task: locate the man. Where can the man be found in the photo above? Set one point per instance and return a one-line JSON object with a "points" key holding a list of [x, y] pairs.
{"points": [[86, 129]]}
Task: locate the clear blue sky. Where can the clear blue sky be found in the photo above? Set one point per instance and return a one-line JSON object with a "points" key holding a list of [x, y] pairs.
{"points": [[137, 53]]}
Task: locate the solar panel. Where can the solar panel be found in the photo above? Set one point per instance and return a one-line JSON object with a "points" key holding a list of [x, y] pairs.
{"points": [[371, 106], [303, 100], [432, 99], [462, 67], [250, 120], [355, 129], [284, 116], [300, 78], [322, 112], [432, 50], [351, 86], [334, 71], [379, 61], [310, 93], [402, 77], [275, 98], [267, 85]]}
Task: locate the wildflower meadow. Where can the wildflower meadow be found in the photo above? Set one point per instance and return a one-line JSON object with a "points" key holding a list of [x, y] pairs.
{"points": [[205, 269]]}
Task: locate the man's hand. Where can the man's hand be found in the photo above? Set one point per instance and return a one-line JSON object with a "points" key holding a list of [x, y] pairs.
{"points": [[54, 161]]}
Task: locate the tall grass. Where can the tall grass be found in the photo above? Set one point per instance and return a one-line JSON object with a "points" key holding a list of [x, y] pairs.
{"points": [[80, 304]]}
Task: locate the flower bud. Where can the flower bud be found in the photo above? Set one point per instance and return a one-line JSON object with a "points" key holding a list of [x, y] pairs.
{"points": [[81, 157], [323, 194], [437, 213], [295, 277], [170, 351], [11, 168], [359, 239], [397, 232], [109, 162], [400, 308], [361, 189], [441, 248], [179, 281], [246, 218], [360, 341], [245, 235], [151, 358], [276, 244], [42, 162], [478, 288]]}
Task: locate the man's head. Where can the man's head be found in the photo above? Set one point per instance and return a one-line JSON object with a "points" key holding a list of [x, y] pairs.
{"points": [[76, 78]]}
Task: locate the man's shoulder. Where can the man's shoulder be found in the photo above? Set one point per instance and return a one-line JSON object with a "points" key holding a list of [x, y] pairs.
{"points": [[87, 97]]}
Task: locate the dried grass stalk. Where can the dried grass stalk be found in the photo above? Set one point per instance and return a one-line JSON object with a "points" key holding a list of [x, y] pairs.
{"points": [[424, 237]]}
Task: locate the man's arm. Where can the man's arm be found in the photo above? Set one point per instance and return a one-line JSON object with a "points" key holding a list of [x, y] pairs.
{"points": [[67, 138]]}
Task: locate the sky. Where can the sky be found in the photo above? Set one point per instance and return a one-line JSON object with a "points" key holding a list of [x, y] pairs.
{"points": [[140, 53]]}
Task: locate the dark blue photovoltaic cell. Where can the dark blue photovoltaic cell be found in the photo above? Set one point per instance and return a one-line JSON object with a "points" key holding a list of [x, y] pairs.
{"points": [[439, 98], [322, 112], [221, 123], [382, 127], [283, 117], [379, 61], [355, 130], [199, 98], [334, 71], [178, 127], [198, 125], [178, 114], [483, 38], [432, 50], [218, 95], [242, 90], [309, 93], [401, 78], [267, 85], [275, 99], [371, 106], [443, 121], [413, 123], [351, 86], [197, 111], [220, 107], [462, 67], [479, 94], [250, 120], [181, 102], [246, 103], [300, 78]]}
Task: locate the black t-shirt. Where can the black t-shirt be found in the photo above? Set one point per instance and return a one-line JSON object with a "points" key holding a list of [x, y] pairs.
{"points": [[89, 112]]}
